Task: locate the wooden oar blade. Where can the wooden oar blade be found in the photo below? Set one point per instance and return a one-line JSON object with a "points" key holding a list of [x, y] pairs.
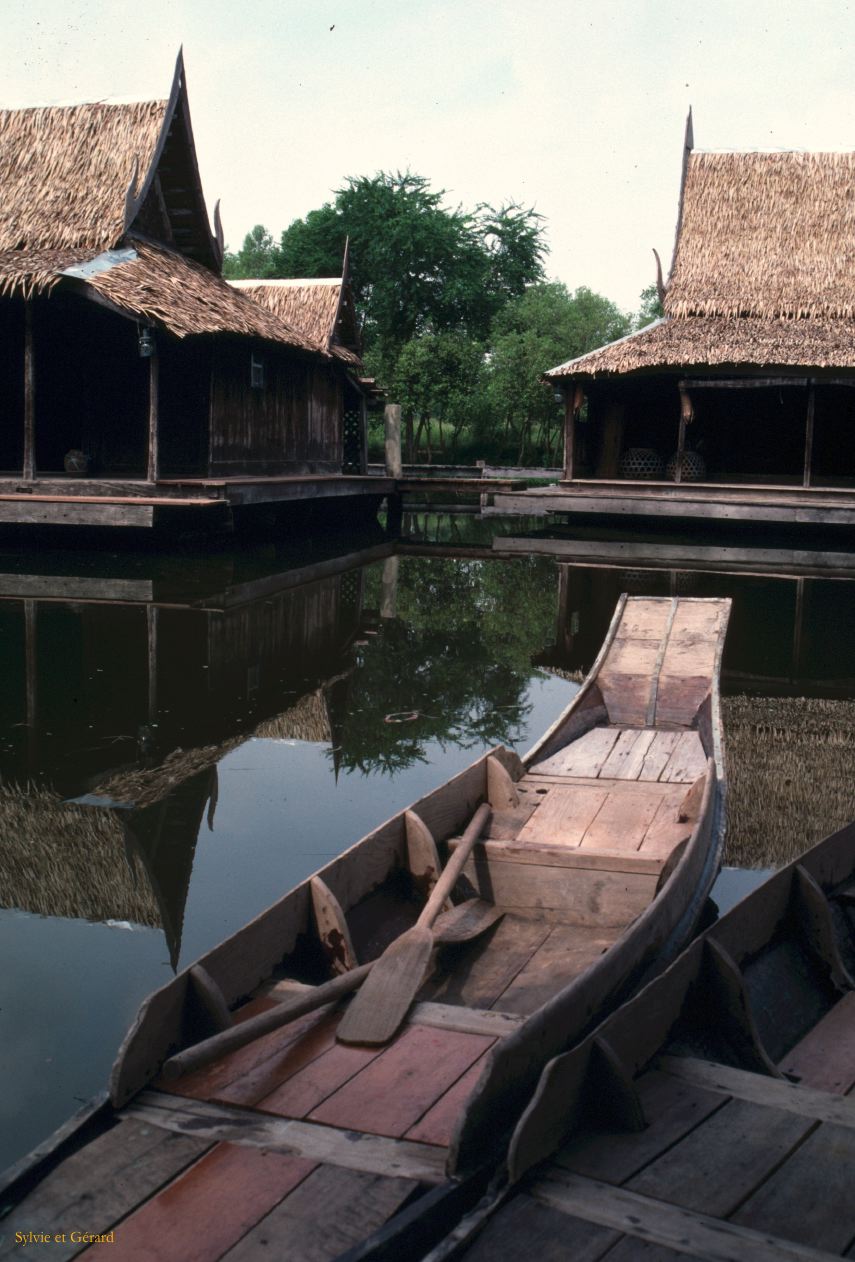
{"points": [[465, 921], [386, 994]]}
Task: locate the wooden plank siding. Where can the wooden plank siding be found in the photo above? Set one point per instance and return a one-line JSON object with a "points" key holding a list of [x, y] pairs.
{"points": [[289, 423]]}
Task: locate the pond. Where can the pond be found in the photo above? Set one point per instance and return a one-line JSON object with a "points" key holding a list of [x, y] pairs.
{"points": [[223, 725]]}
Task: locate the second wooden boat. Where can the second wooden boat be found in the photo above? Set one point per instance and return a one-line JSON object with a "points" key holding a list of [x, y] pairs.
{"points": [[711, 1116], [598, 853]]}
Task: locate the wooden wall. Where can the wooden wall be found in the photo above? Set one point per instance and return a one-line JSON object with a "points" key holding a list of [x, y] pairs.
{"points": [[290, 424]]}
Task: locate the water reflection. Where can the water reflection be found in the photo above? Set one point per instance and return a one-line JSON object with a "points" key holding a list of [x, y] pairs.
{"points": [[226, 724]]}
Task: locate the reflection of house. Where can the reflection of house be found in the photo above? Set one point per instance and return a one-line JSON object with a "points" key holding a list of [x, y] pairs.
{"points": [[746, 384], [133, 374]]}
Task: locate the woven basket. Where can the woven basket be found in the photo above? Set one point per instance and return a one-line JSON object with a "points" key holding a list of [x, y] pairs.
{"points": [[641, 464], [694, 467]]}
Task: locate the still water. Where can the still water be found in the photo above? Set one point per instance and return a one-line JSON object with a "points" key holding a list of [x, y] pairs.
{"points": [[183, 738]]}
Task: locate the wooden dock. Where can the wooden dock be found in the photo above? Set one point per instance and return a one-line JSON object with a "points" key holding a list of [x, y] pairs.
{"points": [[708, 503]]}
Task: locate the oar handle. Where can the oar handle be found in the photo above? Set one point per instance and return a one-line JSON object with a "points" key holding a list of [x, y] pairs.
{"points": [[236, 1036], [454, 867]]}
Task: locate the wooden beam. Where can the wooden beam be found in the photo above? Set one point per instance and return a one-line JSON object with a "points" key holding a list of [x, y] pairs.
{"points": [[656, 1222], [399, 1158], [392, 419], [153, 465], [772, 1093], [811, 405], [29, 464], [740, 383]]}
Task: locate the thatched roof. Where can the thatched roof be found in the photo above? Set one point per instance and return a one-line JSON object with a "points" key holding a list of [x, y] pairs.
{"points": [[699, 342], [65, 172], [188, 299], [763, 273], [108, 198], [315, 307], [790, 765], [766, 235]]}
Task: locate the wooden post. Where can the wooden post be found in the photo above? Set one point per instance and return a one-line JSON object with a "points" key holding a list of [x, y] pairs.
{"points": [[151, 612], [363, 435], [389, 588], [569, 432], [392, 418], [686, 414], [798, 628], [29, 465], [811, 402], [612, 440], [153, 469]]}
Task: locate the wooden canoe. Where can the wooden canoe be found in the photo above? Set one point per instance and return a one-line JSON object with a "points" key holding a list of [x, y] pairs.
{"points": [[711, 1116], [600, 852]]}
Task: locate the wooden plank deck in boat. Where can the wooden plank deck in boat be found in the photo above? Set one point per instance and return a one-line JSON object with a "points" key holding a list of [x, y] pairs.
{"points": [[704, 1146], [298, 1136]]}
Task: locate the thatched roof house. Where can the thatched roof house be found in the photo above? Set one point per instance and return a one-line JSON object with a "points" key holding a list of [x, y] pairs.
{"points": [[107, 252], [757, 342]]}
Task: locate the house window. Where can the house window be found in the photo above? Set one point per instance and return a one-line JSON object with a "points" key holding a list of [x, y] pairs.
{"points": [[256, 372]]}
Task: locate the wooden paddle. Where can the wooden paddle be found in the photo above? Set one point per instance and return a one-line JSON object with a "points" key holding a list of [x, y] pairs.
{"points": [[463, 923], [385, 998]]}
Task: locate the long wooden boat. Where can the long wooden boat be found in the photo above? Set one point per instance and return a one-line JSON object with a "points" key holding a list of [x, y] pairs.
{"points": [[600, 850], [711, 1116]]}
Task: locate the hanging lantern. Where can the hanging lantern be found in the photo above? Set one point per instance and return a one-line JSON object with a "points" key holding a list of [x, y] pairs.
{"points": [[145, 341]]}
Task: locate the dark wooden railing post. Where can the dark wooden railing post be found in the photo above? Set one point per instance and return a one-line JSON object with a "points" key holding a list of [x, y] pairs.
{"points": [[569, 431], [153, 466], [29, 461], [811, 403]]}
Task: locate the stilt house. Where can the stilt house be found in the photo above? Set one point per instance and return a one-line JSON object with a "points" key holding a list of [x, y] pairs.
{"points": [[130, 368], [747, 381]]}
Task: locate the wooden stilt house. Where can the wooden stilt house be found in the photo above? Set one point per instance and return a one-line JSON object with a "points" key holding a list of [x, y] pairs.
{"points": [[134, 378], [322, 310], [747, 384]]}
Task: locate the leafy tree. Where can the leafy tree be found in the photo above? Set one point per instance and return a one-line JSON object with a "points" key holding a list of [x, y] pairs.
{"points": [[255, 260], [650, 306], [543, 327], [440, 377]]}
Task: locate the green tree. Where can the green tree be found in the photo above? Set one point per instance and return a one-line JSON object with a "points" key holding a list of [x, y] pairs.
{"points": [[255, 260], [543, 327], [440, 378], [650, 306]]}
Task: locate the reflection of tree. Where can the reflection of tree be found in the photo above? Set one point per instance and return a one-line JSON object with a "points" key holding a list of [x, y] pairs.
{"points": [[459, 653]]}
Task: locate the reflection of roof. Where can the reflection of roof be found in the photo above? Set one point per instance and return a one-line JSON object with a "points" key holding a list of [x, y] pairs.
{"points": [[321, 309], [764, 269], [66, 860], [700, 341], [790, 763]]}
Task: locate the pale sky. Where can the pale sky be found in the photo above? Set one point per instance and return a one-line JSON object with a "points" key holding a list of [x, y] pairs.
{"points": [[574, 108]]}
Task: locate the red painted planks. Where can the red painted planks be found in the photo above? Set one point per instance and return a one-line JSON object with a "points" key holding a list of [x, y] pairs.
{"points": [[403, 1082], [207, 1210], [437, 1125]]}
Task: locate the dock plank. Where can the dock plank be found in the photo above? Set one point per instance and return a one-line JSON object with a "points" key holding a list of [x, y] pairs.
{"points": [[180, 1222], [699, 1235], [99, 1185], [330, 1212], [403, 1082], [525, 1228], [809, 1198], [714, 1167], [825, 1057], [673, 1109]]}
